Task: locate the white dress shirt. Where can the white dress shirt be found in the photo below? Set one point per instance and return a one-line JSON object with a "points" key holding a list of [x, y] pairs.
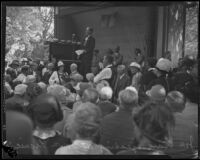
{"points": [[21, 77], [43, 71], [106, 73], [54, 78]]}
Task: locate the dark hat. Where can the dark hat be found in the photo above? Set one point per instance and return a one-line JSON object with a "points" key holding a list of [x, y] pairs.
{"points": [[18, 128], [25, 68], [15, 62], [46, 109]]}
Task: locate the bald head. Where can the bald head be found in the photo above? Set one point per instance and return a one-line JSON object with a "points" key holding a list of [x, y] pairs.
{"points": [[90, 95]]}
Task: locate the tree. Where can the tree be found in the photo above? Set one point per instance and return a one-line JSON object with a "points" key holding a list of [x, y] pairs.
{"points": [[191, 30], [26, 30]]}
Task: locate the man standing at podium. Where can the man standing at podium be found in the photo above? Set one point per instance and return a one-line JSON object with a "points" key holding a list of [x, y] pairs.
{"points": [[86, 57]]}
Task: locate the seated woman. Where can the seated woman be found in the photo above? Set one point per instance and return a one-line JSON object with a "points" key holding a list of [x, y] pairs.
{"points": [[61, 93], [152, 128], [18, 125], [73, 69], [136, 74], [59, 77], [82, 128], [45, 111]]}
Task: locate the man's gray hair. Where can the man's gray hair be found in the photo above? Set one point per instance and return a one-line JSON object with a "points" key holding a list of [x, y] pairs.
{"points": [[106, 93], [90, 95], [128, 99]]}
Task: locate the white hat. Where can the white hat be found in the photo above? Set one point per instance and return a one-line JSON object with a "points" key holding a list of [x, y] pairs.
{"points": [[20, 89], [24, 60], [164, 64], [60, 63], [133, 89], [30, 79], [135, 64]]}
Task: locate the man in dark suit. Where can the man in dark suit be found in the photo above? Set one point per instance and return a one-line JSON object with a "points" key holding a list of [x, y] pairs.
{"points": [[117, 129], [86, 57], [121, 82]]}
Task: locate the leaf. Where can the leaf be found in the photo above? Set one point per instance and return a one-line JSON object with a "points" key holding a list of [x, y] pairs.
{"points": [[27, 27]]}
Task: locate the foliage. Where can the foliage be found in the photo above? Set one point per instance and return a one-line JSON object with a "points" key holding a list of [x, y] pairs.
{"points": [[27, 28], [191, 30], [175, 35]]}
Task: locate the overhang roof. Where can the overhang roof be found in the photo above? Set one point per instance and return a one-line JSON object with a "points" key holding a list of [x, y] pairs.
{"points": [[73, 8]]}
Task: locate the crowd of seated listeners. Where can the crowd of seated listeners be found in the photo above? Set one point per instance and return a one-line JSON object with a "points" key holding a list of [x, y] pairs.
{"points": [[146, 107]]}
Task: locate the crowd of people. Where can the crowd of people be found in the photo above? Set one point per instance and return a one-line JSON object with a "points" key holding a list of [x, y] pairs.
{"points": [[142, 108]]}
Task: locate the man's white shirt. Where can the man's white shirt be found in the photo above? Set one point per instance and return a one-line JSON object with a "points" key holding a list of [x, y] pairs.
{"points": [[106, 73]]}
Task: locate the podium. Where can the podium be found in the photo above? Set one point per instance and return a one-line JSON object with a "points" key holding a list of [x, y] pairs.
{"points": [[65, 52]]}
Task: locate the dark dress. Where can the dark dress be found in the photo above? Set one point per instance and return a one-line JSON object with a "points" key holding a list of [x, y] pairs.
{"points": [[146, 78], [106, 107], [46, 77], [50, 145], [117, 130], [120, 84]]}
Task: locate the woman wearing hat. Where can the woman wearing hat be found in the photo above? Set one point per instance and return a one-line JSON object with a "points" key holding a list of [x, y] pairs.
{"points": [[45, 112], [47, 74], [22, 77], [82, 127], [24, 61], [59, 76], [13, 69], [163, 67], [136, 74]]}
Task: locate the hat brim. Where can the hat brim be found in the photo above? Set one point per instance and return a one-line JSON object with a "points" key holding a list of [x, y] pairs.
{"points": [[162, 70]]}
